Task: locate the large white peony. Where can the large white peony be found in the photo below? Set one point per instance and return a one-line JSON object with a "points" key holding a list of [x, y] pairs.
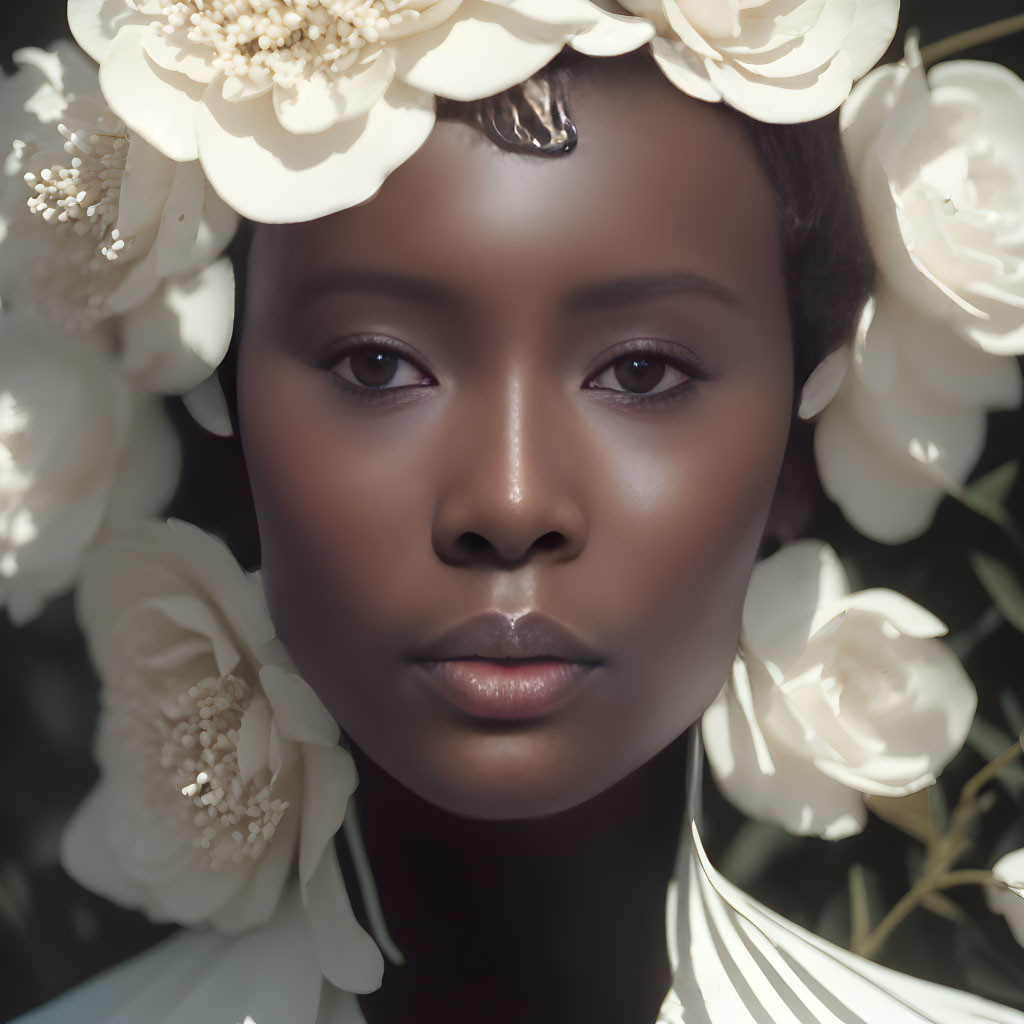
{"points": [[219, 767], [909, 419], [83, 452], [781, 61], [299, 108], [939, 166], [100, 224], [836, 696]]}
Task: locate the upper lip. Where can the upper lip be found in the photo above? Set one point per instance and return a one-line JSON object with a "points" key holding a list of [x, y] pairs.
{"points": [[495, 634]]}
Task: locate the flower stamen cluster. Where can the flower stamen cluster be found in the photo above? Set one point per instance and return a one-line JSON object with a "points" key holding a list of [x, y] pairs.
{"points": [[86, 193], [279, 42], [235, 817]]}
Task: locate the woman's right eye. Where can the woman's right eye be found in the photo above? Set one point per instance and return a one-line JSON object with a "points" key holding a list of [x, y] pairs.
{"points": [[376, 367]]}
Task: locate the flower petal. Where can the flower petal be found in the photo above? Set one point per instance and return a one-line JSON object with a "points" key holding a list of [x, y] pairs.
{"points": [[796, 797], [873, 28], [207, 405], [783, 100], [297, 178], [317, 104], [158, 104], [811, 576], [485, 50], [612, 34], [95, 24], [347, 956], [298, 711], [684, 69], [329, 781], [884, 497], [148, 470], [180, 335], [824, 383], [85, 854], [906, 615]]}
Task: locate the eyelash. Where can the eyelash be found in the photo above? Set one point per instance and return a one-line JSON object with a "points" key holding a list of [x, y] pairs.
{"points": [[693, 369]]}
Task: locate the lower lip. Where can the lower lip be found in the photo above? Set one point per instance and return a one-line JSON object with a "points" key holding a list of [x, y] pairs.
{"points": [[507, 689]]}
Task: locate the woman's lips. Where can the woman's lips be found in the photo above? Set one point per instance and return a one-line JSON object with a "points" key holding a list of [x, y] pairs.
{"points": [[507, 689]]}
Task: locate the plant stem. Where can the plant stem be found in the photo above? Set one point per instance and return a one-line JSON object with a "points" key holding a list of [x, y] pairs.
{"points": [[943, 853], [911, 899], [972, 37]]}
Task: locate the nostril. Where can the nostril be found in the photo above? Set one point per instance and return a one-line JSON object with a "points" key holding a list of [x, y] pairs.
{"points": [[552, 539]]}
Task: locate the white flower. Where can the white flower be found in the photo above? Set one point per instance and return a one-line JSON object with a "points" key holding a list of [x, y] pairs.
{"points": [[219, 765], [836, 696], [939, 165], [908, 422], [300, 108], [82, 452], [1009, 903], [781, 61], [99, 224]]}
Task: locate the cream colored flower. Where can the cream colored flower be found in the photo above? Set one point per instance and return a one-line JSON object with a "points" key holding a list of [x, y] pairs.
{"points": [[1009, 903], [299, 108], [220, 768], [836, 696], [939, 165], [102, 224], [82, 451], [780, 61], [908, 422]]}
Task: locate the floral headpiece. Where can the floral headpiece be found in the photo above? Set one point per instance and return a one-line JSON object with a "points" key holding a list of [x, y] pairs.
{"points": [[120, 193]]}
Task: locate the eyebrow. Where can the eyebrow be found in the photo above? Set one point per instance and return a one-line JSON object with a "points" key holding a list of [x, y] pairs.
{"points": [[598, 296], [375, 282], [644, 287]]}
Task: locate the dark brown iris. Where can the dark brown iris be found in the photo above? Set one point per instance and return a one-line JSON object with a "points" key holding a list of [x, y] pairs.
{"points": [[638, 373], [373, 368]]}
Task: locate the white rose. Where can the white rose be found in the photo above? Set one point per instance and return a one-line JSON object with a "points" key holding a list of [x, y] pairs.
{"points": [[909, 420], [939, 165], [99, 223], [836, 696], [219, 767], [781, 61], [300, 108], [1009, 903], [82, 451]]}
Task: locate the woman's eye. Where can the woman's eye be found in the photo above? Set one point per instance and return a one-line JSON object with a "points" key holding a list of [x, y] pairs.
{"points": [[377, 368], [641, 373]]}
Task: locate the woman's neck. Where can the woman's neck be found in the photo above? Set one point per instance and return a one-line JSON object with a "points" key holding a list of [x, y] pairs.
{"points": [[550, 920]]}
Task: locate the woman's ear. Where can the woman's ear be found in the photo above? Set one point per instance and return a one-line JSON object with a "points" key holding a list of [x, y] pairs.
{"points": [[797, 492]]}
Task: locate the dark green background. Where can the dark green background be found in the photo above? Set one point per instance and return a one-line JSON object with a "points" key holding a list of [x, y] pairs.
{"points": [[53, 934]]}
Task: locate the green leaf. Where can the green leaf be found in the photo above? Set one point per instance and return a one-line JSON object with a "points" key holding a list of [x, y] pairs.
{"points": [[988, 742], [1002, 585], [1012, 709], [987, 497], [860, 909], [911, 814], [754, 847]]}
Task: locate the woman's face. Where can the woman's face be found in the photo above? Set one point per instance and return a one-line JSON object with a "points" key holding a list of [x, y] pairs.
{"points": [[514, 384]]}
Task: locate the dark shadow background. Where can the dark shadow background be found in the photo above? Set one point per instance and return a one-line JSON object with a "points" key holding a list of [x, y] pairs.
{"points": [[54, 934]]}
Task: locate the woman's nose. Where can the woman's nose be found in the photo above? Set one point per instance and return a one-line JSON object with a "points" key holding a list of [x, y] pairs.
{"points": [[510, 486]]}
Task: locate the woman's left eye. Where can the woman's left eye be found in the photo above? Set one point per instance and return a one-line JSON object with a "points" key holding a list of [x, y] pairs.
{"points": [[376, 368], [642, 373]]}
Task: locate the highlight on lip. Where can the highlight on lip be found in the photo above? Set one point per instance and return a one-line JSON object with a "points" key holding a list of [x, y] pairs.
{"points": [[509, 688]]}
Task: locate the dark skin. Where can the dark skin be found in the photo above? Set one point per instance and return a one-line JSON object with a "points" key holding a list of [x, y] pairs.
{"points": [[584, 410]]}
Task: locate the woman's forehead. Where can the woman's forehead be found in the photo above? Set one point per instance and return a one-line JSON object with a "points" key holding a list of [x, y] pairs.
{"points": [[658, 182]]}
